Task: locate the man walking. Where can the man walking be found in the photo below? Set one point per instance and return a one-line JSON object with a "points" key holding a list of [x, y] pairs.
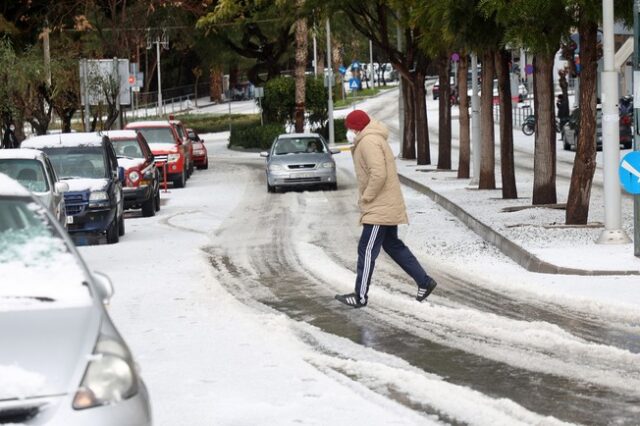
{"points": [[382, 208]]}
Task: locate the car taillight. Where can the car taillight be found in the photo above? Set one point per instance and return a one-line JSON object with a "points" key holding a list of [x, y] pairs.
{"points": [[134, 176], [625, 120]]}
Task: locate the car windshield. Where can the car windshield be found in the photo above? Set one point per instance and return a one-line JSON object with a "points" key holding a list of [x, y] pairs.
{"points": [[30, 173], [36, 264], [157, 134], [78, 162], [127, 148], [298, 146]]}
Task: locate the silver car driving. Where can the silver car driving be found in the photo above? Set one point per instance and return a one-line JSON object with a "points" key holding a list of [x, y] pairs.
{"points": [[34, 171], [298, 160], [62, 361]]}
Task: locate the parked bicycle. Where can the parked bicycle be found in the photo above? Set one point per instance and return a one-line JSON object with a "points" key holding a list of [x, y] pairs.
{"points": [[529, 125]]}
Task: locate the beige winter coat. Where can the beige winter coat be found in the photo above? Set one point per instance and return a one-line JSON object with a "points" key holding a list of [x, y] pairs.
{"points": [[381, 201]]}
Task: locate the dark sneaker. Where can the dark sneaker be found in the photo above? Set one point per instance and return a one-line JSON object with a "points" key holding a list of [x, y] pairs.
{"points": [[424, 292], [350, 299]]}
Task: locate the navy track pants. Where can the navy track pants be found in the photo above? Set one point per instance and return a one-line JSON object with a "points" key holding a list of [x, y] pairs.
{"points": [[372, 239]]}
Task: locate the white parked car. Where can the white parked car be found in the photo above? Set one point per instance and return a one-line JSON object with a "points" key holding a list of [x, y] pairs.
{"points": [[62, 361], [33, 169]]}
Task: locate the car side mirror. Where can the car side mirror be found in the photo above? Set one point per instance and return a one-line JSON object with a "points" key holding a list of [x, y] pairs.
{"points": [[61, 187], [335, 151], [104, 287], [264, 154], [121, 174]]}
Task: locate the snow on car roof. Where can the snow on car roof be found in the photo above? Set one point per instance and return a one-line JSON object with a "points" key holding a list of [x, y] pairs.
{"points": [[121, 134], [151, 123], [298, 135], [10, 187], [63, 140], [21, 153]]}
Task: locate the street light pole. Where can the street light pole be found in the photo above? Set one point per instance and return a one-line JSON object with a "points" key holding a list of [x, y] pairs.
{"points": [[613, 232], [332, 139], [160, 109]]}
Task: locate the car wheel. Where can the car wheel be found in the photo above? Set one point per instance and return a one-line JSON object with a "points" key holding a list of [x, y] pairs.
{"points": [[112, 232], [627, 145], [121, 226], [158, 200], [565, 144], [179, 183], [206, 164], [149, 207], [270, 188]]}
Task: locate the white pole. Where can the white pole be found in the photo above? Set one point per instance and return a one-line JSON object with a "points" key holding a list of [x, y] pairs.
{"points": [[315, 56], [371, 63], [613, 232], [475, 120], [332, 139], [160, 106]]}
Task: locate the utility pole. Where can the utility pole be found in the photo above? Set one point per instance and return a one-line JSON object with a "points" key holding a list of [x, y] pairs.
{"points": [[315, 55], [371, 63], [47, 53], [163, 41], [332, 138], [613, 232], [636, 116], [475, 120]]}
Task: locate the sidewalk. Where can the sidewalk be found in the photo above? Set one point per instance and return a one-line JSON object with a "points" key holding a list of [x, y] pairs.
{"points": [[535, 238]]}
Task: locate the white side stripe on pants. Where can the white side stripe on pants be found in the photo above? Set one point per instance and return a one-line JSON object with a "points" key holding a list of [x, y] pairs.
{"points": [[366, 270]]}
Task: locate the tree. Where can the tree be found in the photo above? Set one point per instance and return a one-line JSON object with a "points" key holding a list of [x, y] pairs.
{"points": [[507, 168], [301, 65]]}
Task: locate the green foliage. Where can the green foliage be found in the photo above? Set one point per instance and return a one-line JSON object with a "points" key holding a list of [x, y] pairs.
{"points": [[339, 131], [212, 123], [278, 103], [252, 136]]}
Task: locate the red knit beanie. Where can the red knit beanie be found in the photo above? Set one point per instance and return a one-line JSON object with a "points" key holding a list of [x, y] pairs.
{"points": [[357, 120]]}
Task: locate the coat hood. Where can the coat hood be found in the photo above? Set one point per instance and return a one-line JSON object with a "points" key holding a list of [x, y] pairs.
{"points": [[374, 128]]}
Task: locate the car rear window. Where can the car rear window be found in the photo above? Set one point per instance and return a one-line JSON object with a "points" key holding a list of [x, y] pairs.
{"points": [[30, 173], [157, 134], [298, 146]]}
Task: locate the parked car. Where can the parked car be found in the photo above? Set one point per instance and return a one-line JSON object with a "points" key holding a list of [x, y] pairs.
{"points": [[299, 160], [168, 148], [188, 146], [141, 188], [571, 130], [200, 158], [34, 171], [87, 163], [63, 362]]}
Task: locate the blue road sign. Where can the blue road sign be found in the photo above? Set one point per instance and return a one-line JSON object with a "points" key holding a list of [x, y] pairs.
{"points": [[354, 83], [342, 70], [630, 172], [355, 66]]}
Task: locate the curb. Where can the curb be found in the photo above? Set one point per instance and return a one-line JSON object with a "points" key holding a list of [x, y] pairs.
{"points": [[522, 257]]}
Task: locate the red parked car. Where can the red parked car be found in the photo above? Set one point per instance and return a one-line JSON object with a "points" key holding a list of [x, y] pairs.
{"points": [[142, 179], [200, 159], [169, 148]]}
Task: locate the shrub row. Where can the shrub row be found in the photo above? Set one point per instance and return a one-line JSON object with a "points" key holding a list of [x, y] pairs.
{"points": [[207, 123], [254, 135]]}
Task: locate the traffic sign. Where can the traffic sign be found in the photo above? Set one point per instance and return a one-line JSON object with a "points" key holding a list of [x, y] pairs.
{"points": [[342, 70], [528, 69], [354, 83], [630, 172]]}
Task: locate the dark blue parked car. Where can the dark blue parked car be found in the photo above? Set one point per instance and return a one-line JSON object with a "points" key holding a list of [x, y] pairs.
{"points": [[88, 163]]}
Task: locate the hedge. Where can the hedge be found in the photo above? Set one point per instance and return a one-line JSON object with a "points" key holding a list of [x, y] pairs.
{"points": [[255, 135], [339, 131], [207, 123]]}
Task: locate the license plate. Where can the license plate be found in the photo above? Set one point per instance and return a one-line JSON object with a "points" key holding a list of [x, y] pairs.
{"points": [[304, 175], [69, 220]]}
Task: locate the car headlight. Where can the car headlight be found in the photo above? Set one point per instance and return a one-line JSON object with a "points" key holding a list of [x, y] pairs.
{"points": [[97, 196], [275, 167], [328, 165], [172, 158], [109, 377], [134, 176]]}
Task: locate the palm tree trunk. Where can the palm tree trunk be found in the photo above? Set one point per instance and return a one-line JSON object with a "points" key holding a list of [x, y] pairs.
{"points": [[301, 65], [507, 168], [544, 158], [444, 103], [465, 132], [409, 137], [584, 165], [487, 178]]}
